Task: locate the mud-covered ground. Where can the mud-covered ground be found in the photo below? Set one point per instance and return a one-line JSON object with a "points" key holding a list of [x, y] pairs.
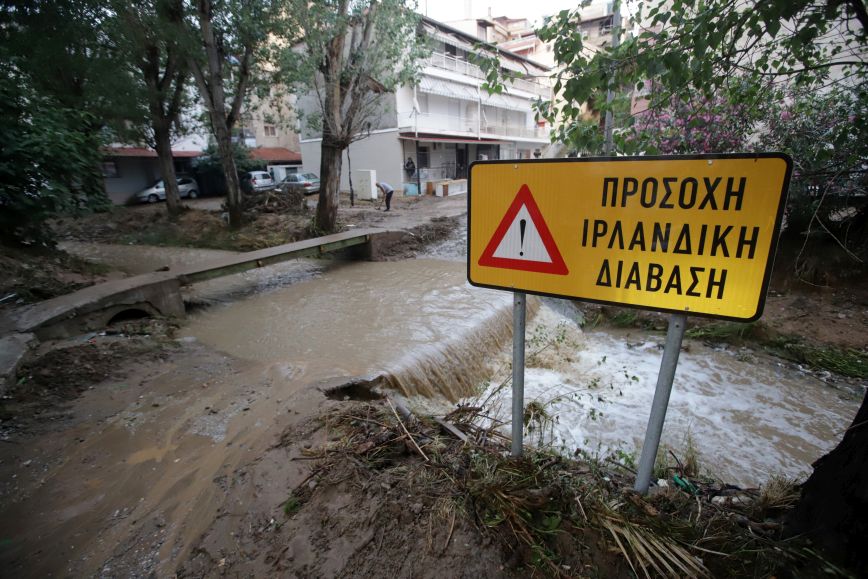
{"points": [[93, 480]]}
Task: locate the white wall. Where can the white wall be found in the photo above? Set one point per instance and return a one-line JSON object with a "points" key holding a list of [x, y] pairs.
{"points": [[134, 174], [380, 152]]}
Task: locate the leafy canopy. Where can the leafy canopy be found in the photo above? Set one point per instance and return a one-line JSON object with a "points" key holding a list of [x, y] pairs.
{"points": [[714, 49]]}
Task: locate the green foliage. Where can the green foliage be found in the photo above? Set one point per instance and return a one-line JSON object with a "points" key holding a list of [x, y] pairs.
{"points": [[625, 318], [210, 160], [712, 49], [365, 48], [63, 50], [230, 47], [291, 506], [46, 160], [350, 53], [844, 361], [721, 331], [64, 90], [826, 133]]}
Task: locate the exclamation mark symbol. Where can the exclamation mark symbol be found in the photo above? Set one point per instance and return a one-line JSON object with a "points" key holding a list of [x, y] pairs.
{"points": [[522, 224]]}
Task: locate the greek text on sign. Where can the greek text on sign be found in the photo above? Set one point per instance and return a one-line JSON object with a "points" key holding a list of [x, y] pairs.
{"points": [[688, 234]]}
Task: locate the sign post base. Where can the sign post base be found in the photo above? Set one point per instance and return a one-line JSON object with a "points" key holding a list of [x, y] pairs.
{"points": [[519, 310], [671, 351]]}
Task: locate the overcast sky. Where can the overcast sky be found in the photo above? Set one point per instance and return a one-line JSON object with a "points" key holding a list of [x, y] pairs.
{"points": [[533, 10]]}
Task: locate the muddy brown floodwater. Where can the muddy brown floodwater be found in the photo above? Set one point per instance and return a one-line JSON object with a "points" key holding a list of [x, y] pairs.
{"points": [[141, 468], [181, 461]]}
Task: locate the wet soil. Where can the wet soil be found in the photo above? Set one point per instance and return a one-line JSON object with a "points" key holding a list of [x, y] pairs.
{"points": [[59, 372], [291, 516], [201, 225], [34, 274]]}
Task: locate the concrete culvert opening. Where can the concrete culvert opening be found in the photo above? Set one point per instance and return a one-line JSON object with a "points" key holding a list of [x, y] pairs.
{"points": [[354, 389], [128, 315]]}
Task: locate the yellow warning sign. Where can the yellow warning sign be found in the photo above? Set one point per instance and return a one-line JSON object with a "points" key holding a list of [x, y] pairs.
{"points": [[687, 234]]}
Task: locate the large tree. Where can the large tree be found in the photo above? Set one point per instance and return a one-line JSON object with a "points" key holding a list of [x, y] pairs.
{"points": [[737, 50], [352, 52], [146, 34], [230, 57]]}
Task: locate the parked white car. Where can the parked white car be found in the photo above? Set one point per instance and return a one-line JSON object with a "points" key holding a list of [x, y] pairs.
{"points": [[256, 181], [187, 188]]}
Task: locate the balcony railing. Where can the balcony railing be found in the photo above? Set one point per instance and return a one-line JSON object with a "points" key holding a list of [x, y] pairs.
{"points": [[428, 122], [434, 122], [515, 131], [446, 62]]}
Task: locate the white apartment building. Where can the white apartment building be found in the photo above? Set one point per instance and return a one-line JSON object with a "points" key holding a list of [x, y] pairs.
{"points": [[447, 121]]}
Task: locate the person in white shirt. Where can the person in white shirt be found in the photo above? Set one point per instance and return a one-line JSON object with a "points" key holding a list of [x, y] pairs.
{"points": [[387, 192]]}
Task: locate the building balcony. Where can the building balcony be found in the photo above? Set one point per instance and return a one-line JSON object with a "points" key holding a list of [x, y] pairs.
{"points": [[467, 127], [450, 63]]}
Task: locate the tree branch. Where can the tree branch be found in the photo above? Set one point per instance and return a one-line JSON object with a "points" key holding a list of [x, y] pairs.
{"points": [[241, 89], [858, 7]]}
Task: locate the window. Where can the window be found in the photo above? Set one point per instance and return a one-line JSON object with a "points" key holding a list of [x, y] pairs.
{"points": [[110, 169], [270, 130]]}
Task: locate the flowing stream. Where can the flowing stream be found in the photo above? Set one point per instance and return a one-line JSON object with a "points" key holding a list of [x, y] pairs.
{"points": [[138, 470], [419, 324]]}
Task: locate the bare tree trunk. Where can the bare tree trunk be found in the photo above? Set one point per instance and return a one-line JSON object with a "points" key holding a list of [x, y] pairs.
{"points": [[350, 176], [210, 80], [227, 160], [330, 181], [833, 510], [163, 145]]}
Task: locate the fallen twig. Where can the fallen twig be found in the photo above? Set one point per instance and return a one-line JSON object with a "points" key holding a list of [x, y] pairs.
{"points": [[407, 432], [451, 529]]}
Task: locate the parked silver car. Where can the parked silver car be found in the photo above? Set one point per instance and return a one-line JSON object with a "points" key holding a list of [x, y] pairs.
{"points": [[308, 182], [256, 181], [187, 188]]}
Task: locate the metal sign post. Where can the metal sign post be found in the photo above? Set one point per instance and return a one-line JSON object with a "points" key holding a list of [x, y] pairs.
{"points": [[519, 309], [671, 350]]}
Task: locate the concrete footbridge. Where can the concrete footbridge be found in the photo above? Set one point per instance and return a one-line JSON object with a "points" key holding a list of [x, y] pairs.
{"points": [[159, 293]]}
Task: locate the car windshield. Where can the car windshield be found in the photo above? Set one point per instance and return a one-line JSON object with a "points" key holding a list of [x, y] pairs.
{"points": [[310, 176]]}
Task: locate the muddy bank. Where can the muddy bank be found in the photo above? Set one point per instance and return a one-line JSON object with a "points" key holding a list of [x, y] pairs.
{"points": [[150, 224], [32, 275], [141, 465]]}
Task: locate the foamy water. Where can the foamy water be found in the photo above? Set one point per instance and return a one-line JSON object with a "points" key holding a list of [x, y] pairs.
{"points": [[749, 417]]}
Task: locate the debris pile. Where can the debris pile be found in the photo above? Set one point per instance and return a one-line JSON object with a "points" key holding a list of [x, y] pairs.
{"points": [[273, 201], [556, 515]]}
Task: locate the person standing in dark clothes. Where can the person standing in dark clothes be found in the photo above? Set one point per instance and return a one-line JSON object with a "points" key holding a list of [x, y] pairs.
{"points": [[410, 167], [387, 193]]}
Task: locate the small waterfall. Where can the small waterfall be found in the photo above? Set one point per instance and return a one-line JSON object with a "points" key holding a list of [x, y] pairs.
{"points": [[454, 369]]}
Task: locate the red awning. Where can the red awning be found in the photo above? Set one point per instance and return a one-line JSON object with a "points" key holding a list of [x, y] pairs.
{"points": [[274, 154], [146, 152]]}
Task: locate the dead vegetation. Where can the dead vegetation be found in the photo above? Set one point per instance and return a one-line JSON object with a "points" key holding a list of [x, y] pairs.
{"points": [[551, 515], [273, 201]]}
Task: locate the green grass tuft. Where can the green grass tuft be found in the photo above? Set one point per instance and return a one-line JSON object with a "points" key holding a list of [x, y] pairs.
{"points": [[291, 506], [722, 331], [843, 361]]}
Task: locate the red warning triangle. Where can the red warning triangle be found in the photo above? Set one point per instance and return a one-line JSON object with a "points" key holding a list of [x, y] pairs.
{"points": [[506, 250]]}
